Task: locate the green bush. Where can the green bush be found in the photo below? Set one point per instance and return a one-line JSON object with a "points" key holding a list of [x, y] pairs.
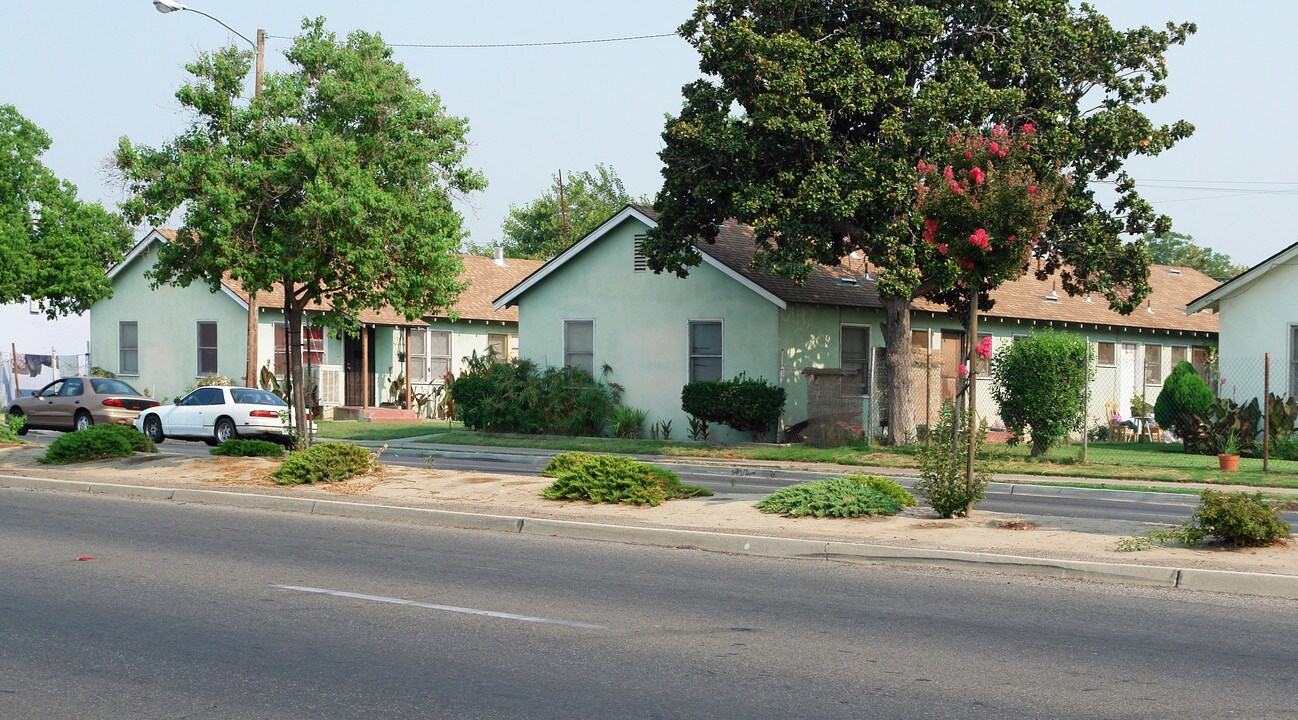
{"points": [[1185, 397], [96, 443], [10, 428], [1284, 447], [517, 396], [1239, 519], [235, 447], [836, 497], [628, 422], [1039, 382], [614, 479], [890, 488], [751, 405], [942, 477], [326, 462]]}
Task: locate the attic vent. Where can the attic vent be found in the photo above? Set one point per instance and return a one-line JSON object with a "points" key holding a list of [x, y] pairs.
{"points": [[1052, 297], [1173, 271], [641, 263], [846, 280]]}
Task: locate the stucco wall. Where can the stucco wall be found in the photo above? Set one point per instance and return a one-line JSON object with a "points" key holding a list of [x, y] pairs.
{"points": [[1255, 322], [811, 336], [641, 324], [167, 317]]}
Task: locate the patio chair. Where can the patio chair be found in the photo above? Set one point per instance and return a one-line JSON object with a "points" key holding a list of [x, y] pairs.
{"points": [[1117, 430]]}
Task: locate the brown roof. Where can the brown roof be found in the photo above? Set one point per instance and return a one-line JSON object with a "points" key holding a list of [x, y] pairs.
{"points": [[1025, 298], [486, 280]]}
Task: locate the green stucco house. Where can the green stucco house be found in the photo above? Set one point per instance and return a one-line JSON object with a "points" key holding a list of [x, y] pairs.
{"points": [[597, 304], [162, 340]]}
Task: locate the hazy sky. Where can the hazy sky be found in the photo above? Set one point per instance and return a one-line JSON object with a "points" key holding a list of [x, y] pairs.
{"points": [[90, 71]]}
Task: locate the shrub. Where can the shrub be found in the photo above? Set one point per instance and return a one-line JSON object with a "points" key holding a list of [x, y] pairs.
{"points": [[326, 462], [1185, 397], [96, 443], [1284, 447], [751, 405], [1239, 519], [10, 428], [517, 396], [614, 479], [1039, 382], [209, 380], [942, 477], [628, 422], [836, 497], [890, 488], [235, 447]]}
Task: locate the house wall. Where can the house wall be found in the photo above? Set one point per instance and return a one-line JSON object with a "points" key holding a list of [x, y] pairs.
{"points": [[641, 324], [167, 317], [811, 336], [31, 333], [1257, 321]]}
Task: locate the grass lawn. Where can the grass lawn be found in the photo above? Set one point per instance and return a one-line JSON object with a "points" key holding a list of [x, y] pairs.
{"points": [[356, 430], [1105, 461]]}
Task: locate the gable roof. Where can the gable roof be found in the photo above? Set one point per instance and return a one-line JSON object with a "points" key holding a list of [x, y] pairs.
{"points": [[486, 279], [849, 285], [1236, 285]]}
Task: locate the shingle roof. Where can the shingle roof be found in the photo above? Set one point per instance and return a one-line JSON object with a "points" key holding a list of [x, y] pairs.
{"points": [[486, 280], [1024, 298]]}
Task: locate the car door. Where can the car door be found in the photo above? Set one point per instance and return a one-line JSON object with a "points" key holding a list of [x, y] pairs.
{"points": [[40, 408], [185, 419], [214, 405], [63, 407]]}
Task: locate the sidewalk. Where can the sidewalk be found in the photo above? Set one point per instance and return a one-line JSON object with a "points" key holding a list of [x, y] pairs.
{"points": [[988, 542]]}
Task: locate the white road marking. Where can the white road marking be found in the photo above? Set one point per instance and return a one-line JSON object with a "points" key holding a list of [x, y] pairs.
{"points": [[434, 606]]}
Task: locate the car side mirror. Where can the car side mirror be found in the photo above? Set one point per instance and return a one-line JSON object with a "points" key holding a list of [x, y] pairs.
{"points": [[175, 401]]}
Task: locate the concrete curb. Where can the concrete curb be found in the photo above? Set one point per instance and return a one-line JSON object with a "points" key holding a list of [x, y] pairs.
{"points": [[1242, 583]]}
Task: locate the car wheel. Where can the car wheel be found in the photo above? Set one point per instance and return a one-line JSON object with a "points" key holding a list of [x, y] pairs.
{"points": [[153, 429], [225, 430], [83, 420], [19, 414]]}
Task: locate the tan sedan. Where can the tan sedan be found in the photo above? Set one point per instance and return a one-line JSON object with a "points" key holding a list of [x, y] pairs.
{"points": [[77, 403]]}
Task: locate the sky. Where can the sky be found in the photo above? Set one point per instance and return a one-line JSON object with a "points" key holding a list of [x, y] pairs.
{"points": [[92, 71]]}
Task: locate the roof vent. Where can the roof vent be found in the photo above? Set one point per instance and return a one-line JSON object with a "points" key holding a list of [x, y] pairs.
{"points": [[846, 280], [498, 255], [639, 263], [1149, 308], [1088, 298], [1173, 271]]}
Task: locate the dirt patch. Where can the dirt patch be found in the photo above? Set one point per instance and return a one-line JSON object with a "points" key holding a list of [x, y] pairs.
{"points": [[1015, 524]]}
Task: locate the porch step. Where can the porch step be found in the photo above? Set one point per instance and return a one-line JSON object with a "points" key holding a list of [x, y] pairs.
{"points": [[382, 414]]}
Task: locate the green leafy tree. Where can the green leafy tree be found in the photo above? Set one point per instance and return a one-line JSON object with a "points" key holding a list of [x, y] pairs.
{"points": [[1183, 401], [1040, 386], [55, 247], [1176, 248], [536, 229], [336, 181], [813, 115]]}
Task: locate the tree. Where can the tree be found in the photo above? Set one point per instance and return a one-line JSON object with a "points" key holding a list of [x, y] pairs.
{"points": [[536, 230], [336, 181], [1176, 248], [55, 247], [1184, 399], [813, 115], [1040, 386]]}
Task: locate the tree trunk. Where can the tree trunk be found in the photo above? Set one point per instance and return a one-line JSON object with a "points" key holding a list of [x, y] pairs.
{"points": [[900, 360], [972, 343], [294, 310]]}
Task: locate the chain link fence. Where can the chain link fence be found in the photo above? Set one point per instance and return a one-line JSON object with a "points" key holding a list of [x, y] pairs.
{"points": [[21, 373]]}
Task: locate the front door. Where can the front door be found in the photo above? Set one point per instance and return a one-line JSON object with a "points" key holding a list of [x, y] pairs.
{"points": [[353, 374], [952, 356], [1126, 378]]}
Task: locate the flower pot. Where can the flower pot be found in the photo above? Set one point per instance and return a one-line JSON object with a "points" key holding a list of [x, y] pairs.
{"points": [[1228, 463]]}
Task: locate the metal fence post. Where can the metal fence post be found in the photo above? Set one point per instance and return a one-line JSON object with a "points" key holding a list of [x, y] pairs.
{"points": [[1086, 397], [1266, 415]]}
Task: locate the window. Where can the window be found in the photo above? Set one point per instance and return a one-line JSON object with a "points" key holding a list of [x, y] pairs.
{"points": [[128, 348], [1180, 354], [983, 366], [417, 355], [579, 344], [72, 387], [1199, 359], [854, 352], [312, 347], [1153, 364], [499, 344], [641, 263], [439, 354], [705, 350], [1106, 354], [206, 348]]}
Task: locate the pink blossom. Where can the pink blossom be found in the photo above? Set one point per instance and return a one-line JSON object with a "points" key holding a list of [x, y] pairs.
{"points": [[927, 235], [1032, 189], [978, 175], [922, 166], [965, 263], [930, 224], [994, 147], [968, 154], [1001, 153], [979, 239], [948, 173], [964, 371], [1029, 128], [1013, 238], [984, 348], [941, 248], [955, 188]]}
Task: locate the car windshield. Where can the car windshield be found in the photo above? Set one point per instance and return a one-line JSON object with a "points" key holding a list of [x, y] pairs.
{"points": [[252, 396], [107, 386]]}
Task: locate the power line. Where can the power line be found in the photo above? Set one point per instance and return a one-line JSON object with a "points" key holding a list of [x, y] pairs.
{"points": [[549, 43]]}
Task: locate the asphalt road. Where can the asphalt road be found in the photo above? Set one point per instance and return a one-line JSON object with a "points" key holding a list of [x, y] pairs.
{"points": [[197, 612]]}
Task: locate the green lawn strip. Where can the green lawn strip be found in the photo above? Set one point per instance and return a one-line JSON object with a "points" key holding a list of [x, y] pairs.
{"points": [[356, 430]]}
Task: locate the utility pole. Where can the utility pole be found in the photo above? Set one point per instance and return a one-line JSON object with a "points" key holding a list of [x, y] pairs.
{"points": [[563, 212], [251, 369]]}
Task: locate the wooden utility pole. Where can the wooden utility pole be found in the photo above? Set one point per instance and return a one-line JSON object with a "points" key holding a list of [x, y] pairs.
{"points": [[252, 368], [973, 395], [563, 212], [409, 380], [13, 348]]}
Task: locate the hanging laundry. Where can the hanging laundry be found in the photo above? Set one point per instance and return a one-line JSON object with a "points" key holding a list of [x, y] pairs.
{"points": [[69, 365], [36, 362], [20, 364]]}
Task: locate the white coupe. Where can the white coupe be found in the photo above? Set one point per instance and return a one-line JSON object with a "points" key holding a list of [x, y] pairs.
{"points": [[217, 413]]}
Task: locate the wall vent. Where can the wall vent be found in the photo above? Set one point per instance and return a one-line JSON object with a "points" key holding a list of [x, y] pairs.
{"points": [[641, 263]]}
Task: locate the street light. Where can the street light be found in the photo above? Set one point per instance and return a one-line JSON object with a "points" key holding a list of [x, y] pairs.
{"points": [[170, 6]]}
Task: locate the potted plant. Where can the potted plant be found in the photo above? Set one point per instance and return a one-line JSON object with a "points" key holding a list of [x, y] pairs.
{"points": [[1228, 458]]}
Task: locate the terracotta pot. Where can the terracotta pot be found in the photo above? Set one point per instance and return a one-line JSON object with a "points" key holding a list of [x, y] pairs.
{"points": [[1228, 463]]}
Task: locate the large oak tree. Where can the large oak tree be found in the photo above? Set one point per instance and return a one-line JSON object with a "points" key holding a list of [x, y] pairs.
{"points": [[336, 182], [813, 115]]}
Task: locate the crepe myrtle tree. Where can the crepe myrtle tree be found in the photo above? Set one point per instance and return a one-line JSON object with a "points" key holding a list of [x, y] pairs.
{"points": [[812, 116], [336, 182]]}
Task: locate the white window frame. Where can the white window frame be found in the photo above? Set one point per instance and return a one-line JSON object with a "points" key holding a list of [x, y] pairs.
{"points": [[504, 354], [421, 334], [1172, 362], [564, 340], [689, 356], [121, 365], [1100, 363], [869, 352], [430, 357], [199, 348], [1144, 365]]}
